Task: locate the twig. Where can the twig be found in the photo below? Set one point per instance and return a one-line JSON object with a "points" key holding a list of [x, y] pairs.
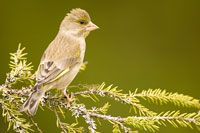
{"points": [[169, 118], [59, 120], [123, 120], [106, 117], [22, 92], [126, 130], [34, 123], [26, 92]]}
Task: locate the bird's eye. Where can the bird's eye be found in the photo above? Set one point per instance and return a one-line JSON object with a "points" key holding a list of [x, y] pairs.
{"points": [[82, 22]]}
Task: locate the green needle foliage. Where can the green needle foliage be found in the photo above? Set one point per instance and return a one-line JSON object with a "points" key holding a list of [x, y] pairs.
{"points": [[142, 118], [161, 96], [20, 69]]}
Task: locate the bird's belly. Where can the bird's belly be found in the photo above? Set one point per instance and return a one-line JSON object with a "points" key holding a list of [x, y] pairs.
{"points": [[66, 79]]}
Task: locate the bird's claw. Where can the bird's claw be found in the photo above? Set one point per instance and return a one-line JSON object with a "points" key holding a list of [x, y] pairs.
{"points": [[69, 98]]}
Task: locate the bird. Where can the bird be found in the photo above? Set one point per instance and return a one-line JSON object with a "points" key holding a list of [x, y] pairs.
{"points": [[62, 59]]}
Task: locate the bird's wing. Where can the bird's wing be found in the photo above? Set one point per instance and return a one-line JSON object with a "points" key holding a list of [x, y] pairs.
{"points": [[59, 58], [50, 71]]}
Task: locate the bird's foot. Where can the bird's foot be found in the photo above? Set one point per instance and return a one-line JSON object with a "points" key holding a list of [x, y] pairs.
{"points": [[69, 98]]}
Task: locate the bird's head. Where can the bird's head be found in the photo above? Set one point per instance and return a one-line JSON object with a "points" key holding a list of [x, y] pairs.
{"points": [[78, 23]]}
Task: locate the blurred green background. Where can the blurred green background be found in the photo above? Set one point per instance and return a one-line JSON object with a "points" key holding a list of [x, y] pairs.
{"points": [[140, 44]]}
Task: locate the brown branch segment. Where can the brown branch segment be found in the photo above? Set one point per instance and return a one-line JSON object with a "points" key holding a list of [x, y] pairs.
{"points": [[58, 118]]}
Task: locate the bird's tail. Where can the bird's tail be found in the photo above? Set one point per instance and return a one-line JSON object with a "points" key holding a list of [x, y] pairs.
{"points": [[32, 103]]}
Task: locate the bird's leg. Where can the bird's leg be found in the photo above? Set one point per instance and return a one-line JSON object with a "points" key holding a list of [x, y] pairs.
{"points": [[69, 98]]}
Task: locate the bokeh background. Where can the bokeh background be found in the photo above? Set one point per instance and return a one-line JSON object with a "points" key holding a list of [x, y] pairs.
{"points": [[140, 44]]}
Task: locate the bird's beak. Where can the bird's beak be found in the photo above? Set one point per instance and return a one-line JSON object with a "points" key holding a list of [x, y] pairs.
{"points": [[91, 26]]}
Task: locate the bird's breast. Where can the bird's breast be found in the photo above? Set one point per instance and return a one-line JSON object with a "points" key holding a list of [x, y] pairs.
{"points": [[82, 49]]}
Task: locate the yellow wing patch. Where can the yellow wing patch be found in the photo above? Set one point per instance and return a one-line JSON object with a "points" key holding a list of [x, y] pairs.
{"points": [[57, 77], [61, 74]]}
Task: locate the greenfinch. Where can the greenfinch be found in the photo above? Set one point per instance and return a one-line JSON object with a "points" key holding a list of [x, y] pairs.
{"points": [[62, 59]]}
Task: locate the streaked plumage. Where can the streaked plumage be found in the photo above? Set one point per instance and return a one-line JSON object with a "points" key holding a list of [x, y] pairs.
{"points": [[63, 58]]}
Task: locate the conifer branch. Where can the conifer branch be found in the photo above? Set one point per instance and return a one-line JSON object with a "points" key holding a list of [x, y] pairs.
{"points": [[142, 119]]}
